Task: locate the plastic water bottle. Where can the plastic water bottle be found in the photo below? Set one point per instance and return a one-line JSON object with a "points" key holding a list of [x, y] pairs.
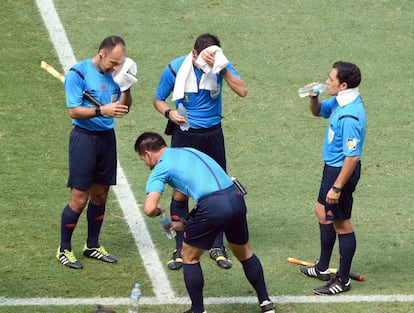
{"points": [[183, 112], [134, 299], [166, 225], [307, 91]]}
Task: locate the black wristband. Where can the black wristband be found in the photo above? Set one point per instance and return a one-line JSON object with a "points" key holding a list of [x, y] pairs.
{"points": [[336, 189], [159, 211], [167, 113], [98, 111], [223, 71]]}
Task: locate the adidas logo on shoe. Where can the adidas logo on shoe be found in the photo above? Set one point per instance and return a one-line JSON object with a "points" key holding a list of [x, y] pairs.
{"points": [[220, 256], [68, 259], [267, 306], [99, 254], [312, 271], [335, 286], [176, 261]]}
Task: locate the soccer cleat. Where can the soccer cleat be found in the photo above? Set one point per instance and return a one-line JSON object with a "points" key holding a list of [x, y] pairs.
{"points": [[220, 256], [176, 261], [99, 254], [267, 306], [68, 259], [312, 271], [335, 286]]}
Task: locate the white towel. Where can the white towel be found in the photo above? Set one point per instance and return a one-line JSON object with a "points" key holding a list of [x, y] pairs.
{"points": [[186, 80], [209, 80], [220, 60], [347, 96]]}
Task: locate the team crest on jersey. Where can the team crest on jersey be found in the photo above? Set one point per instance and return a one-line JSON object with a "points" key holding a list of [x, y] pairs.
{"points": [[351, 144], [186, 98]]}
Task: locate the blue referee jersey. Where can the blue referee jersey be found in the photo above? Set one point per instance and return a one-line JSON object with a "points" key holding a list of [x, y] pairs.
{"points": [[204, 108], [100, 86], [345, 135], [205, 177]]}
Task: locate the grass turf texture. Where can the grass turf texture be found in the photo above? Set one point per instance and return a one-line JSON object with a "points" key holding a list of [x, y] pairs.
{"points": [[273, 143]]}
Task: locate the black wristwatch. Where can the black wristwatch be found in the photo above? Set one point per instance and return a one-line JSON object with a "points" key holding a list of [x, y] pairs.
{"points": [[336, 189], [159, 211], [223, 71], [98, 111], [167, 113]]}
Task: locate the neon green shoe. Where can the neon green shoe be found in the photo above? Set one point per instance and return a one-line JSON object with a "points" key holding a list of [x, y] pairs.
{"points": [[176, 261], [220, 256], [99, 253], [68, 259]]}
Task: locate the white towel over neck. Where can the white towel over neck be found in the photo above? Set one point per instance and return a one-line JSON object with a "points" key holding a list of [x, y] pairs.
{"points": [[186, 80]]}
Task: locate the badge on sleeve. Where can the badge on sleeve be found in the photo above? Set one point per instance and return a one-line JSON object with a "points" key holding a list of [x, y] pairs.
{"points": [[351, 144], [331, 135]]}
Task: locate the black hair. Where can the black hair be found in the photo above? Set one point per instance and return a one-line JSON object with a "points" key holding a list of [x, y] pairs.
{"points": [[149, 141], [348, 73], [206, 40], [109, 43]]}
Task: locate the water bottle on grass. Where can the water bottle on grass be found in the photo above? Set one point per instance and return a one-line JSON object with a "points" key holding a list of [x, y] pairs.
{"points": [[134, 299]]}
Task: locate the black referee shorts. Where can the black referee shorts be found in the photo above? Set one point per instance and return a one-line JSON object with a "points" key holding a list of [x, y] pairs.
{"points": [[207, 140], [223, 210], [343, 209], [92, 158]]}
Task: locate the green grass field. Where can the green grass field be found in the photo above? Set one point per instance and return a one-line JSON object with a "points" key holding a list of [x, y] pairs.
{"points": [[273, 145]]}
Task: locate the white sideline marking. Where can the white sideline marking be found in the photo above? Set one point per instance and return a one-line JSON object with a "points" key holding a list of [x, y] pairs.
{"points": [[133, 216], [57, 33], [140, 232], [207, 301]]}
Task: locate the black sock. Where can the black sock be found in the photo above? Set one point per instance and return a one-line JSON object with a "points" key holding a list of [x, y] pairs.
{"points": [[95, 215], [68, 225], [347, 247], [218, 242], [194, 282], [253, 271], [328, 238], [178, 209]]}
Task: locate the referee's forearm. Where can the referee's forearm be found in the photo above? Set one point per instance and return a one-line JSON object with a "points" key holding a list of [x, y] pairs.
{"points": [[346, 171], [161, 106], [315, 106], [126, 98]]}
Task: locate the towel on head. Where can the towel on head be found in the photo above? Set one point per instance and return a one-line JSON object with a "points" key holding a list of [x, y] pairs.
{"points": [[186, 80], [209, 80], [220, 60]]}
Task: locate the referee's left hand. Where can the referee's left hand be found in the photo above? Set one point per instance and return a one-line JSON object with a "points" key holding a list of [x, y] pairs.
{"points": [[114, 109], [177, 225], [332, 197]]}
